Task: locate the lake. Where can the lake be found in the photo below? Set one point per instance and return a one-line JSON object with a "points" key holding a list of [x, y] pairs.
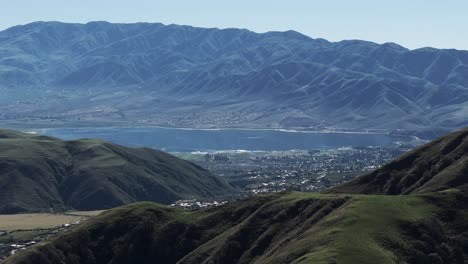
{"points": [[189, 140]]}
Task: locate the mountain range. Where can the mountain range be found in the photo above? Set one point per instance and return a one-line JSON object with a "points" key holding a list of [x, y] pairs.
{"points": [[99, 73], [413, 210], [43, 174]]}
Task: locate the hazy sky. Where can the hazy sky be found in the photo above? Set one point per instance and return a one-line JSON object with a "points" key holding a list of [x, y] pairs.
{"points": [[411, 23]]}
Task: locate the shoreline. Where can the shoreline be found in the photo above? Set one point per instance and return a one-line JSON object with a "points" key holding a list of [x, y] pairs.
{"points": [[285, 130]]}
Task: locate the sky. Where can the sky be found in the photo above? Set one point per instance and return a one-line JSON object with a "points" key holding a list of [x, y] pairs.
{"points": [[411, 23]]}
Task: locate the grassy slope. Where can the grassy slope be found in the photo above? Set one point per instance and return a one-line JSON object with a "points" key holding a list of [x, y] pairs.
{"points": [[439, 165], [286, 228], [38, 173]]}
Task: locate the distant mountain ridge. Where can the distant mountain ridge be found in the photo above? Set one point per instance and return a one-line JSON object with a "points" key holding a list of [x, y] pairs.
{"points": [[40, 173], [153, 74]]}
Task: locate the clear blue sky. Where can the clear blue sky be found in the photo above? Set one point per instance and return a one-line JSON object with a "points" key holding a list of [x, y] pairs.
{"points": [[411, 23]]}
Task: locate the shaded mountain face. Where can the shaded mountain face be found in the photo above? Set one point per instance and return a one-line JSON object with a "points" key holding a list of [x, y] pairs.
{"points": [[439, 165], [53, 73], [39, 173], [429, 225]]}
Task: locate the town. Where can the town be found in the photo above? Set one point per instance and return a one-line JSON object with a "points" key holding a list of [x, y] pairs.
{"points": [[254, 172]]}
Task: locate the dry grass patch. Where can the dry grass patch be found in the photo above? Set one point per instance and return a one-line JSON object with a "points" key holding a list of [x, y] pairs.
{"points": [[42, 220]]}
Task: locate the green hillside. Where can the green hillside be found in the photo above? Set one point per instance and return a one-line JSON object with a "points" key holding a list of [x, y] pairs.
{"points": [[429, 225], [283, 228], [39, 173], [439, 165]]}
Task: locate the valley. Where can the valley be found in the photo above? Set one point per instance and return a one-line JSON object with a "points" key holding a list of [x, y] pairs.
{"points": [[410, 210], [293, 161], [249, 172], [255, 172]]}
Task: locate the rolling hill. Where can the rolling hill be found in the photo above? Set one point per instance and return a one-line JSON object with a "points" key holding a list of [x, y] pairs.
{"points": [[39, 173], [100, 73], [425, 226]]}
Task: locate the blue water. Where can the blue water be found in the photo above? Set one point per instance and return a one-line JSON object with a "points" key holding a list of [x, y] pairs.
{"points": [[182, 140]]}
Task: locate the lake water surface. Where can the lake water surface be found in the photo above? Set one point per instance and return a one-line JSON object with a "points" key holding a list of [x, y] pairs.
{"points": [[185, 140]]}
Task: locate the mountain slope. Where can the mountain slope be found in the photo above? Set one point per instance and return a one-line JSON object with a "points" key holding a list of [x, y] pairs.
{"points": [[429, 226], [39, 173], [285, 228], [439, 165], [102, 73]]}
